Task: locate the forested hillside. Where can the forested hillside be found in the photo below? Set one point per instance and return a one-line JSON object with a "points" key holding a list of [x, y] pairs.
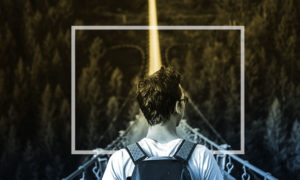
{"points": [[35, 78]]}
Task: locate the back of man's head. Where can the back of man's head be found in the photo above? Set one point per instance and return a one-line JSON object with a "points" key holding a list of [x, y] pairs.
{"points": [[157, 95]]}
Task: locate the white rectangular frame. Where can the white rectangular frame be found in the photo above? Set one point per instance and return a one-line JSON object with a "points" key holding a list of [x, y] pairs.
{"points": [[73, 85]]}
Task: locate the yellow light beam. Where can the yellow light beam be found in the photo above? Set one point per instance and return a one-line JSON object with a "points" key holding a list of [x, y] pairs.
{"points": [[154, 49]]}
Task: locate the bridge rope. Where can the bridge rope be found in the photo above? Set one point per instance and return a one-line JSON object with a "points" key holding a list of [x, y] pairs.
{"points": [[205, 119], [191, 101], [111, 124]]}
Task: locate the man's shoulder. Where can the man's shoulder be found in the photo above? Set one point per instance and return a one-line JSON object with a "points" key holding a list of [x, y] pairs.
{"points": [[203, 164], [201, 148], [119, 158], [118, 165], [201, 152], [119, 154]]}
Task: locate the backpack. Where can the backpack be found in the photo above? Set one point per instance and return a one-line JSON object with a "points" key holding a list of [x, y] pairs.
{"points": [[161, 168]]}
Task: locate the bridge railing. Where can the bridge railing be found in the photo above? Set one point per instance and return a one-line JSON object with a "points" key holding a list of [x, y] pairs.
{"points": [[95, 167], [227, 162], [92, 168]]}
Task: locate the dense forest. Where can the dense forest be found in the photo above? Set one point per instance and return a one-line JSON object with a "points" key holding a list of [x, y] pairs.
{"points": [[35, 78]]}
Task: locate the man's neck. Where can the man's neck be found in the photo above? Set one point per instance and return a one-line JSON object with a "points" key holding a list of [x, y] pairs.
{"points": [[163, 132]]}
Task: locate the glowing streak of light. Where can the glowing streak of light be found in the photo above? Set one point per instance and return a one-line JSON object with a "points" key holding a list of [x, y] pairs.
{"points": [[154, 49]]}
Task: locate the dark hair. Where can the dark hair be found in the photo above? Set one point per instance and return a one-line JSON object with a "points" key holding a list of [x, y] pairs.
{"points": [[157, 95]]}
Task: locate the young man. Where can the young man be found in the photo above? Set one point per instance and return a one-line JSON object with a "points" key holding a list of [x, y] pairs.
{"points": [[162, 102]]}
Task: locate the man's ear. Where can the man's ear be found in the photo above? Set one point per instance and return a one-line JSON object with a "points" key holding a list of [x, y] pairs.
{"points": [[177, 107]]}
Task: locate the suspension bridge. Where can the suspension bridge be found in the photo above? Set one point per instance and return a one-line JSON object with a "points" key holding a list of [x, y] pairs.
{"points": [[232, 166]]}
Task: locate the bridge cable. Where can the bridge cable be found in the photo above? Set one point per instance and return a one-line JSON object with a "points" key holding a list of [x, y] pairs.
{"points": [[205, 119]]}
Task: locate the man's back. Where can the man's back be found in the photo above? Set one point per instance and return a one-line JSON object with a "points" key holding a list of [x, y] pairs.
{"points": [[201, 164]]}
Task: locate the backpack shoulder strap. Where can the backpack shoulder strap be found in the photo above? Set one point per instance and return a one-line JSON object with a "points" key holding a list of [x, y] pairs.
{"points": [[185, 150], [135, 152]]}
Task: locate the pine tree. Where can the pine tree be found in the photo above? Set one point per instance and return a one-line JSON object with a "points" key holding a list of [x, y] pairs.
{"points": [[232, 97], [64, 8], [90, 93], [4, 131], [28, 169], [65, 117], [89, 81], [30, 37], [286, 38], [293, 163], [96, 51], [21, 83], [115, 82], [229, 12], [48, 46], [2, 90], [190, 73], [8, 44], [112, 107], [276, 136], [92, 131], [59, 121], [47, 118], [10, 156], [37, 67], [81, 36]]}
